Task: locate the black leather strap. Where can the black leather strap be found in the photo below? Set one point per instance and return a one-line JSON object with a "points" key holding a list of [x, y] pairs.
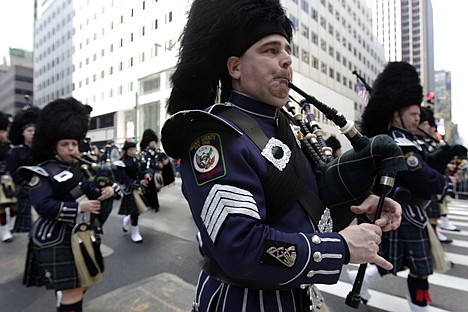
{"points": [[295, 187]]}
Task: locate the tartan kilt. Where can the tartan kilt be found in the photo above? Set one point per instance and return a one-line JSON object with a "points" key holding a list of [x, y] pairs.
{"points": [[23, 217], [407, 247], [128, 205], [433, 210], [52, 267]]}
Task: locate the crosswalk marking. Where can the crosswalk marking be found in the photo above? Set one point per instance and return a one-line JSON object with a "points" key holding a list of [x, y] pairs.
{"points": [[458, 215], [459, 243], [379, 299], [439, 279]]}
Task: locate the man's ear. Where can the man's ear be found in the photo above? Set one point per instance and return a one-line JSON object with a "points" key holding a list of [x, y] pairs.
{"points": [[233, 66]]}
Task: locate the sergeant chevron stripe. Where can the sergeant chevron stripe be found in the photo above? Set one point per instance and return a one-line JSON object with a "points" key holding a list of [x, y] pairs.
{"points": [[222, 201]]}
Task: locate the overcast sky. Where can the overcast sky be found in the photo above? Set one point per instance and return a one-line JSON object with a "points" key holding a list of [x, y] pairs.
{"points": [[16, 29]]}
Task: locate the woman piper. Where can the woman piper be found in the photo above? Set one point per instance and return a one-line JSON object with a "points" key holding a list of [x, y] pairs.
{"points": [[21, 135], [57, 190], [132, 174]]}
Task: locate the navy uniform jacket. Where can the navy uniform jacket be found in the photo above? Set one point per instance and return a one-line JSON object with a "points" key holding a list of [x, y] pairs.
{"points": [[57, 213], [130, 172], [18, 156], [422, 180], [408, 246], [221, 172]]}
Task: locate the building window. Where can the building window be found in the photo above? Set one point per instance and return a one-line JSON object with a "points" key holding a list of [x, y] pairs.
{"points": [[323, 67], [305, 6], [315, 62], [305, 56], [314, 38], [150, 84], [305, 31]]}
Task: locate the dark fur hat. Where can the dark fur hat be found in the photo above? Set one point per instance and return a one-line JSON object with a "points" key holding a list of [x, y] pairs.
{"points": [[20, 121], [427, 115], [148, 136], [60, 119], [215, 31], [4, 121], [398, 86]]}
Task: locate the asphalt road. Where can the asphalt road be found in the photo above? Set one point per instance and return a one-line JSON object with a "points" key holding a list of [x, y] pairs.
{"points": [[161, 273]]}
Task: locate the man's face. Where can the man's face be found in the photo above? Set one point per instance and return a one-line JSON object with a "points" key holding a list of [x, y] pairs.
{"points": [[264, 70], [28, 134], [408, 118], [426, 127]]}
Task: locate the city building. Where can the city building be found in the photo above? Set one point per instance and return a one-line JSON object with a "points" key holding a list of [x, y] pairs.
{"points": [[16, 81], [124, 53], [443, 106], [405, 28], [53, 50]]}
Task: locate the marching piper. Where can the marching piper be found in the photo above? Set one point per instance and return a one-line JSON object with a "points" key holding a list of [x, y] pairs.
{"points": [[260, 244], [132, 174], [8, 201], [394, 109], [60, 192], [21, 135]]}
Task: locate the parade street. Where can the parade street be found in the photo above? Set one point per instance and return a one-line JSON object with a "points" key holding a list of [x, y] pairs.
{"points": [[161, 273]]}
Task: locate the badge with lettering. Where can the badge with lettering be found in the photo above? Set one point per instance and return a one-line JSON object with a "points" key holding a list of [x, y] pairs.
{"points": [[207, 158], [279, 253], [412, 161]]}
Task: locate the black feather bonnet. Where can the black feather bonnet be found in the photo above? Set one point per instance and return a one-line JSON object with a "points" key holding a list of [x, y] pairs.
{"points": [[215, 31], [22, 120], [4, 121], [148, 136], [427, 115], [397, 87], [59, 120]]}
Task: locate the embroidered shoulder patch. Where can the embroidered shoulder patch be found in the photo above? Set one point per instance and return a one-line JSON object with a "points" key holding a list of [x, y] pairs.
{"points": [[35, 181], [207, 158], [412, 161], [279, 253]]}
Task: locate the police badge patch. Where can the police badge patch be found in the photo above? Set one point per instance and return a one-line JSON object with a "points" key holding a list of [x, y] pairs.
{"points": [[35, 180], [412, 161], [207, 158]]}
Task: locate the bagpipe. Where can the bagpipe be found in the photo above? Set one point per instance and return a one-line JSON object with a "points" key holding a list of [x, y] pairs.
{"points": [[161, 176], [349, 178], [369, 167], [99, 176]]}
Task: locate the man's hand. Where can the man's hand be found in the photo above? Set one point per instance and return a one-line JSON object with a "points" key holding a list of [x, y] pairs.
{"points": [[390, 217], [363, 243]]}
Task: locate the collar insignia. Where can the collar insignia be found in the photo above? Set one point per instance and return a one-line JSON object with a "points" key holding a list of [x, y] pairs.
{"points": [[277, 153]]}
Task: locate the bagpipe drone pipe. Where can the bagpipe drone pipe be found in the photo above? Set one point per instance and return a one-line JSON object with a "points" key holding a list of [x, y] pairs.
{"points": [[370, 167], [99, 176], [351, 177]]}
